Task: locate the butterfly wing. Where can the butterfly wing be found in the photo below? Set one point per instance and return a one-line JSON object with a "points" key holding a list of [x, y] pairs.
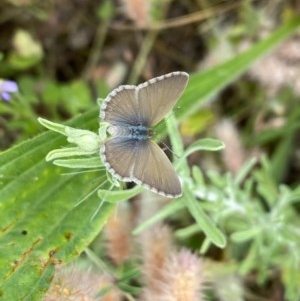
{"points": [[142, 162], [158, 96], [145, 104], [117, 154], [154, 171], [120, 107]]}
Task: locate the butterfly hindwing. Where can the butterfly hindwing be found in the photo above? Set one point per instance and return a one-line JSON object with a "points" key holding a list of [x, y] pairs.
{"points": [[142, 162], [154, 170]]}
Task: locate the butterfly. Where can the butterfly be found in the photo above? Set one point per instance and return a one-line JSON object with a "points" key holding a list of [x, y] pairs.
{"points": [[131, 111]]}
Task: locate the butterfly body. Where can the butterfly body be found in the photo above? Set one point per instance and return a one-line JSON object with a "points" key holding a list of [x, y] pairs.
{"points": [[129, 154], [138, 132]]}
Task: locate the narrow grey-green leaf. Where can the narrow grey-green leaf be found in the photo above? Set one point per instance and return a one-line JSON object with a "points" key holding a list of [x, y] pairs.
{"points": [[115, 196], [204, 222], [93, 162], [169, 209], [206, 144]]}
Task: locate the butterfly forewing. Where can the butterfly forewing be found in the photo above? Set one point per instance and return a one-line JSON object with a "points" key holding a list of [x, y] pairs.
{"points": [[146, 104], [121, 106], [159, 95]]}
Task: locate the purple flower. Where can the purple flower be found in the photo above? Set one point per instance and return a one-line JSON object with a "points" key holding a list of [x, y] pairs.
{"points": [[7, 87]]}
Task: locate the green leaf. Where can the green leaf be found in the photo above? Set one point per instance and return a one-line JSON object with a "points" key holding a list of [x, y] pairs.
{"points": [[119, 195], [198, 176], [204, 222], [93, 162], [187, 231], [43, 217], [203, 144], [169, 209], [245, 169], [65, 153], [40, 213], [53, 126], [242, 236]]}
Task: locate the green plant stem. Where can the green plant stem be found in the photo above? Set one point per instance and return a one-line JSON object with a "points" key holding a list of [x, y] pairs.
{"points": [[142, 57], [95, 53]]}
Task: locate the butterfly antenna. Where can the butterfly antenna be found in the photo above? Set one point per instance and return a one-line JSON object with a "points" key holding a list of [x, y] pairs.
{"points": [[166, 147]]}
